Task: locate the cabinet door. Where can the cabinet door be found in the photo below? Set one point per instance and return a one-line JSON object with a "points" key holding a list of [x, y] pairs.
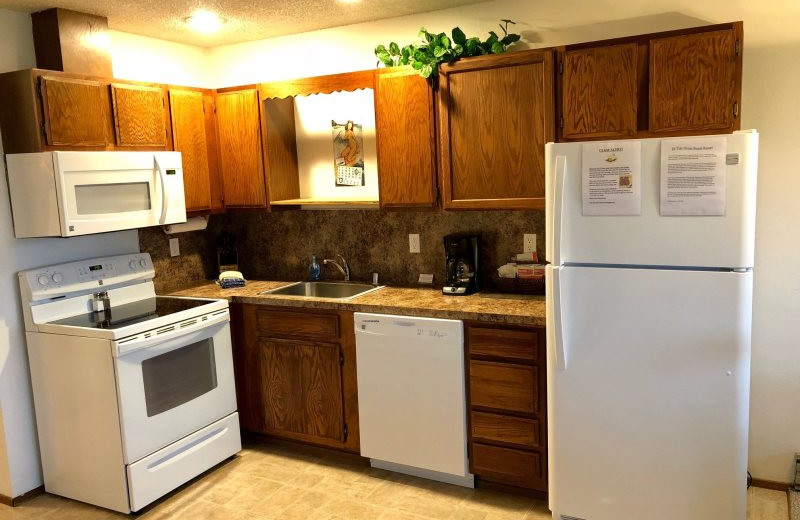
{"points": [[189, 138], [139, 116], [240, 148], [405, 133], [496, 114], [76, 112], [302, 389], [695, 81], [599, 93]]}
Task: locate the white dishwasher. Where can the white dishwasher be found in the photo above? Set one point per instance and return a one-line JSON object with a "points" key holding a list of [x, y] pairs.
{"points": [[411, 396]]}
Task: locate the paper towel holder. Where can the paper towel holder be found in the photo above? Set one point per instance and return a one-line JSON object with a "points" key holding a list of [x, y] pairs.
{"points": [[191, 224]]}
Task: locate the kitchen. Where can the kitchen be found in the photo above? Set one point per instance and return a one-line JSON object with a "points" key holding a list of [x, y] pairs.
{"points": [[277, 246]]}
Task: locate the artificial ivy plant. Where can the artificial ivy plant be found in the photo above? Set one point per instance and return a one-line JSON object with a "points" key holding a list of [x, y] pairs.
{"points": [[434, 49]]}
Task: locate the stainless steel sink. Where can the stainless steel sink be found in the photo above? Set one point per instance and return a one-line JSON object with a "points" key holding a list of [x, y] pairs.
{"points": [[335, 290]]}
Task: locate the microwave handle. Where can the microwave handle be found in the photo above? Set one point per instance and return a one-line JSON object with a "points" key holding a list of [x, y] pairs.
{"points": [[164, 198]]}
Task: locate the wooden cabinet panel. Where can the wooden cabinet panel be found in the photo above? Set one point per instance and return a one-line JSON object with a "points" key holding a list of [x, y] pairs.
{"points": [[240, 148], [139, 116], [504, 386], [189, 137], [302, 388], [504, 429], [515, 467], [405, 133], [76, 112], [513, 344], [695, 81], [496, 114], [599, 91], [292, 323]]}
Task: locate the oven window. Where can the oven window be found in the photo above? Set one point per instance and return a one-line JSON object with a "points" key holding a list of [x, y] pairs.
{"points": [[98, 199], [179, 376]]}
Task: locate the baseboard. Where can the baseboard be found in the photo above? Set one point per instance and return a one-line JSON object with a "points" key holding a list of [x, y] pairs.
{"points": [[770, 484], [11, 502]]}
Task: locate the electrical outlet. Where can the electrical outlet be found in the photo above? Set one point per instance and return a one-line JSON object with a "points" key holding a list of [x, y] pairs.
{"points": [[529, 242], [413, 243], [174, 247]]}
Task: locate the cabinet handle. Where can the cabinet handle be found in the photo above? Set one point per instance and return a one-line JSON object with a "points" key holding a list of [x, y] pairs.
{"points": [[735, 109]]}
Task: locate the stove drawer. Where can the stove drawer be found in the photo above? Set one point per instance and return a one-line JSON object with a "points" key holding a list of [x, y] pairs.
{"points": [[161, 472]]}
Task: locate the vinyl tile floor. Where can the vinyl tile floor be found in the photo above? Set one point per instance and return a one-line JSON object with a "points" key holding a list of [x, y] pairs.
{"points": [[265, 482]]}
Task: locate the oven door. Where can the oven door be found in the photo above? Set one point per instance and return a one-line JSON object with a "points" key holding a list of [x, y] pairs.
{"points": [[174, 387], [111, 191]]}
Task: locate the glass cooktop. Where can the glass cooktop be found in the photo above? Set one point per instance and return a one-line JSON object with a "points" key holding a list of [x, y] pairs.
{"points": [[131, 313]]}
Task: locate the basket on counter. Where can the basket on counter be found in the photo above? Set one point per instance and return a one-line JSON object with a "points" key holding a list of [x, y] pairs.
{"points": [[533, 285]]}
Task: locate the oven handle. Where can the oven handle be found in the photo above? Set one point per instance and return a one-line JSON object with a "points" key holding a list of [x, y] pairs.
{"points": [[182, 328]]}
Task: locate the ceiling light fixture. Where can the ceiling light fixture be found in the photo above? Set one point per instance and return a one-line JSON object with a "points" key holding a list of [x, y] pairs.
{"points": [[205, 21]]}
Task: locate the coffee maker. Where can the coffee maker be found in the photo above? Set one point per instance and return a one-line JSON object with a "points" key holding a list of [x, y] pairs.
{"points": [[461, 264]]}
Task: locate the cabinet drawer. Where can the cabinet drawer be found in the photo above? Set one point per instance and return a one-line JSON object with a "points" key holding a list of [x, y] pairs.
{"points": [[297, 324], [506, 465], [504, 386], [491, 427], [506, 343]]}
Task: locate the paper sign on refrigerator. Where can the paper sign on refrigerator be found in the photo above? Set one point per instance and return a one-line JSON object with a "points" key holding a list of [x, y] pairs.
{"points": [[693, 176], [612, 178]]}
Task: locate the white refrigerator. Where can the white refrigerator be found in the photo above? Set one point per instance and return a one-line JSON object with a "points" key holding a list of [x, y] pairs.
{"points": [[648, 323]]}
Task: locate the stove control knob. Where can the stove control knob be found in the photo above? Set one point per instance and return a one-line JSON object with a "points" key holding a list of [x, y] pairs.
{"points": [[132, 264], [58, 277], [143, 262], [43, 279]]}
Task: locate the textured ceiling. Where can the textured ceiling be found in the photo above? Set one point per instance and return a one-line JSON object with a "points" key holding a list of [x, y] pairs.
{"points": [[246, 19]]}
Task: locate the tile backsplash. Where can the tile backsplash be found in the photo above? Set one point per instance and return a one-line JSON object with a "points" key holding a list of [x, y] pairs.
{"points": [[279, 245]]}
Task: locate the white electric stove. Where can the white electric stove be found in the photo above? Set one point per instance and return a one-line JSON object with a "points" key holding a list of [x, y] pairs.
{"points": [[134, 392]]}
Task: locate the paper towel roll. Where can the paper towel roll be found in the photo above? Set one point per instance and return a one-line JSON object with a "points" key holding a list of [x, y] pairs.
{"points": [[193, 224]]}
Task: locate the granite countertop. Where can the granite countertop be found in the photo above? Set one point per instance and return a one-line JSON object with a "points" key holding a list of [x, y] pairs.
{"points": [[425, 302]]}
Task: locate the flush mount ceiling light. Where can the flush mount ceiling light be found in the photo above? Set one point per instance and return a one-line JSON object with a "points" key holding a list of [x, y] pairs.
{"points": [[205, 21]]}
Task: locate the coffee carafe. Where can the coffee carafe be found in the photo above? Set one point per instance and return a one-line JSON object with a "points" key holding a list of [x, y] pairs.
{"points": [[461, 264]]}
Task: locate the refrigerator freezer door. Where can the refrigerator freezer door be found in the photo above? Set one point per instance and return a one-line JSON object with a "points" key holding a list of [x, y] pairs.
{"points": [[649, 417], [650, 239]]}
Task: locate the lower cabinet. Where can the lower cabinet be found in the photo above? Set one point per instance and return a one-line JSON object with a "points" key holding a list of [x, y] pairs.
{"points": [[296, 374], [507, 404]]}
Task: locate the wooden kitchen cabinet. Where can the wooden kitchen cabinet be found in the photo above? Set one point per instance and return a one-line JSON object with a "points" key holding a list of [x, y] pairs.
{"points": [[139, 116], [507, 405], [495, 116], [406, 139], [695, 81], [599, 88], [76, 112], [241, 148], [194, 135], [296, 374]]}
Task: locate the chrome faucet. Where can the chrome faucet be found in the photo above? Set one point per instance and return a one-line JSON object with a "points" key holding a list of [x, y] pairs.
{"points": [[343, 267]]}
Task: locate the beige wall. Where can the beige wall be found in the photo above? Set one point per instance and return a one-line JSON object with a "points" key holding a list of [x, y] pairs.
{"points": [[140, 58], [770, 104]]}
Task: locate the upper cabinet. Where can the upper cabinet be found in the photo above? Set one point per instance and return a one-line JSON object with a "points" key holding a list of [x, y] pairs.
{"points": [[241, 148], [600, 91], [684, 82], [696, 81], [76, 112], [495, 116], [139, 116], [194, 135], [406, 139]]}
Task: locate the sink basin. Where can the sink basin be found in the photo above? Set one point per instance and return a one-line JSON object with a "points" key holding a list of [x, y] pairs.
{"points": [[336, 290]]}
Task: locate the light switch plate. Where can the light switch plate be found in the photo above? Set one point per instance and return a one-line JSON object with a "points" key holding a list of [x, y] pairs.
{"points": [[413, 243], [174, 247], [529, 242]]}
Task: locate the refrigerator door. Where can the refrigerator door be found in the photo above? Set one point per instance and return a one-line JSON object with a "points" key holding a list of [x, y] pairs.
{"points": [[650, 239], [648, 417]]}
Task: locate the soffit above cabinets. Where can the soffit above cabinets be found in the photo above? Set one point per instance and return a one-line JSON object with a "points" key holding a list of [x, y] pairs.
{"points": [[245, 20]]}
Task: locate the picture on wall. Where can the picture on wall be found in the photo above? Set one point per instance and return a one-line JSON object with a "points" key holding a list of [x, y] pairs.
{"points": [[348, 153]]}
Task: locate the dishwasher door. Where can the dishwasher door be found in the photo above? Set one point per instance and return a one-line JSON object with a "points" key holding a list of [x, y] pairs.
{"points": [[411, 395]]}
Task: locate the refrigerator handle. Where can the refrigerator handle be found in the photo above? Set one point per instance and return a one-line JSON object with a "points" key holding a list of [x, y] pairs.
{"points": [[558, 208], [557, 322]]}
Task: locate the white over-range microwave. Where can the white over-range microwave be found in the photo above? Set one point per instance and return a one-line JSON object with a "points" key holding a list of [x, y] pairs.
{"points": [[78, 193]]}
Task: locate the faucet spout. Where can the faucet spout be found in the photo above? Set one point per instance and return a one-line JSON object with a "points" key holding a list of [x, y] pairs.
{"points": [[343, 267]]}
